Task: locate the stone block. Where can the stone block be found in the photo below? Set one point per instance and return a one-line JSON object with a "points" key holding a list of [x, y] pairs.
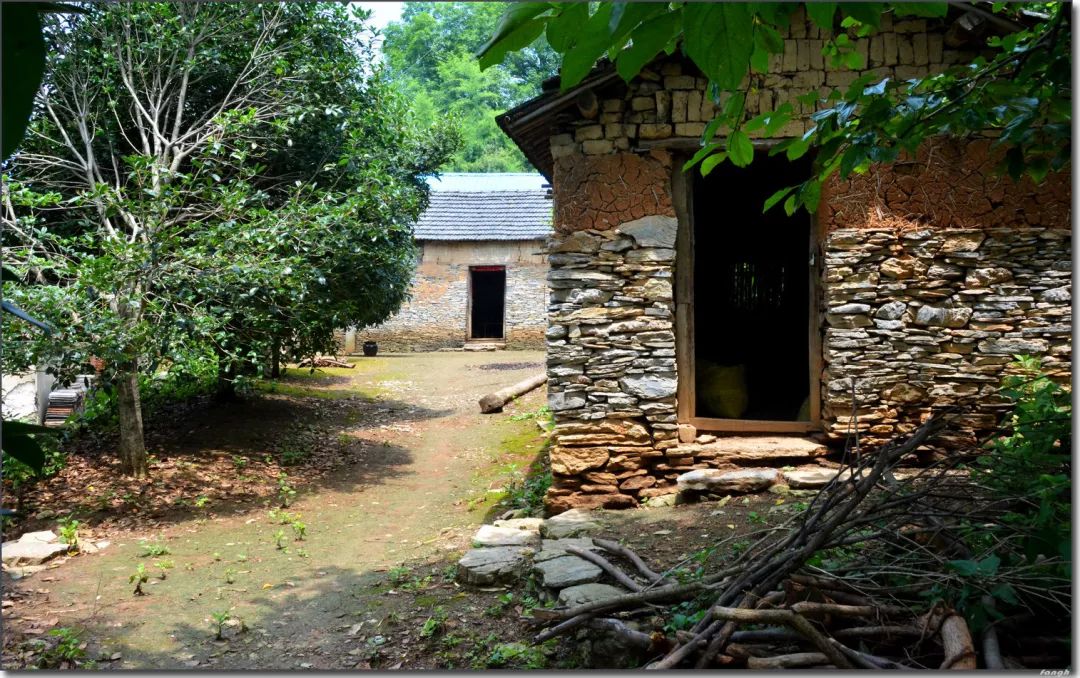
{"points": [[491, 535], [589, 132], [715, 480], [487, 566], [566, 570], [572, 523], [597, 147], [651, 130], [689, 129], [652, 231], [582, 594]]}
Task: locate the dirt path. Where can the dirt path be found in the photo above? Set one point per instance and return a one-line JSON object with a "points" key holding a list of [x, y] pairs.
{"points": [[380, 533]]}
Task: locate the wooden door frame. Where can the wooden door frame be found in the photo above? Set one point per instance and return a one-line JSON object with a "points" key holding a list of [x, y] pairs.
{"points": [[469, 302], [686, 390]]}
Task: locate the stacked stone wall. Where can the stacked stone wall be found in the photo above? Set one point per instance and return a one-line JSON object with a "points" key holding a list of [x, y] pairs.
{"points": [[436, 316], [934, 271]]}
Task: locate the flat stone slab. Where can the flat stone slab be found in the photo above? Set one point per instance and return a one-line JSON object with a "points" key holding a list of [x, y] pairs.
{"points": [[496, 565], [587, 593], [750, 449], [45, 536], [556, 548], [490, 535], [812, 478], [572, 523], [715, 480], [531, 524], [30, 552], [558, 573]]}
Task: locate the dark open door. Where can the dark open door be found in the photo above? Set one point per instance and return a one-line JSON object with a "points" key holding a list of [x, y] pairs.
{"points": [[488, 289]]}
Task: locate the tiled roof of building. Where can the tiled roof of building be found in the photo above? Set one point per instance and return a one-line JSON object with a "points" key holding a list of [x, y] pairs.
{"points": [[470, 213]]}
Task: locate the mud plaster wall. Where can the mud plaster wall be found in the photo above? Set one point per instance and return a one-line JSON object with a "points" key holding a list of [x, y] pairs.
{"points": [[914, 314], [437, 314]]}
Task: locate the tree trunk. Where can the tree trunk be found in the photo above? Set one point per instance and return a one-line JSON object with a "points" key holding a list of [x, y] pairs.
{"points": [[275, 359], [132, 446]]}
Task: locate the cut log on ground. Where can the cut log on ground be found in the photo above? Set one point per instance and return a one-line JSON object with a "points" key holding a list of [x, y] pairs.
{"points": [[494, 402], [324, 361]]}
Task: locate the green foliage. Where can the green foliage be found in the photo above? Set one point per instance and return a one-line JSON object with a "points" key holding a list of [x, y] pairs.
{"points": [[27, 447], [1020, 88], [280, 540], [299, 530], [153, 550], [398, 575], [139, 577], [217, 622], [67, 648], [433, 624], [164, 566], [286, 492], [18, 474], [69, 531], [293, 457], [429, 55], [268, 202]]}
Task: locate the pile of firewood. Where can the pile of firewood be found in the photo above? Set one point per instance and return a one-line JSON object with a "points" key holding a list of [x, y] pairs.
{"points": [[324, 361], [801, 616]]}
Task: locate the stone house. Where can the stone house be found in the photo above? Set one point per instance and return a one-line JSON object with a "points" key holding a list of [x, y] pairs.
{"points": [[481, 268], [689, 331]]}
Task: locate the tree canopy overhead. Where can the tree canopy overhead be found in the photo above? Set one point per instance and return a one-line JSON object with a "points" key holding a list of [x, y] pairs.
{"points": [[429, 54], [1020, 88], [213, 179]]}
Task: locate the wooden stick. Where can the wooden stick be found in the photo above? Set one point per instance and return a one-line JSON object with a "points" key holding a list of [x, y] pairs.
{"points": [[568, 625], [959, 648], [878, 631], [787, 618], [606, 566], [494, 402], [636, 639], [787, 661], [634, 558], [991, 646], [674, 592], [868, 661]]}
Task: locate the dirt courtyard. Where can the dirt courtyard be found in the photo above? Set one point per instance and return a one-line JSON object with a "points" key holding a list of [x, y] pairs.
{"points": [[422, 469]]}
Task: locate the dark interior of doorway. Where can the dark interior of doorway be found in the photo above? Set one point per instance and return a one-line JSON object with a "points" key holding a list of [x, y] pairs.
{"points": [[751, 294], [488, 287]]}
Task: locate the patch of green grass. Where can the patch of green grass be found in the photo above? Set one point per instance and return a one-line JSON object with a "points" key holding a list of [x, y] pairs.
{"points": [[153, 550]]}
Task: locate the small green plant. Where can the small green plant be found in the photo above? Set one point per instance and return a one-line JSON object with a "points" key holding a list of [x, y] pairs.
{"points": [[239, 462], [433, 624], [398, 575], [449, 573], [217, 622], [299, 530], [416, 583], [544, 412], [755, 517], [138, 578], [280, 540], [294, 457], [302, 553], [69, 531], [164, 566], [242, 558], [286, 493], [217, 557], [153, 550], [68, 649], [230, 575], [202, 501]]}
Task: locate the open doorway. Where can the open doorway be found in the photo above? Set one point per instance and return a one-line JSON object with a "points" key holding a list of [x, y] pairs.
{"points": [[751, 298], [487, 286]]}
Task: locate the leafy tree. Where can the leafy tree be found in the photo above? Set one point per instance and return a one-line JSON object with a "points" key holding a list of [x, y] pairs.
{"points": [[1020, 88], [429, 54], [209, 174]]}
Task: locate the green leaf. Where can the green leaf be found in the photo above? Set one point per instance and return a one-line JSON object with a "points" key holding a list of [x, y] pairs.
{"points": [[864, 12], [577, 63], [719, 37], [24, 64], [797, 148], [564, 28], [776, 197], [821, 13], [18, 442], [965, 568], [711, 162], [988, 566], [922, 9], [627, 16], [702, 152], [509, 34], [740, 149], [648, 39]]}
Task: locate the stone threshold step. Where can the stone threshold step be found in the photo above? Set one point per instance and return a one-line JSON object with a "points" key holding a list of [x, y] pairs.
{"points": [[751, 449]]}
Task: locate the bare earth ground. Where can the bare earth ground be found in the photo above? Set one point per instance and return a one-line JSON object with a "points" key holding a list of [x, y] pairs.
{"points": [[398, 470]]}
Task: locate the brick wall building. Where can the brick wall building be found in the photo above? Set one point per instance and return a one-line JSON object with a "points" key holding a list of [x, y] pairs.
{"points": [[678, 309], [481, 269]]}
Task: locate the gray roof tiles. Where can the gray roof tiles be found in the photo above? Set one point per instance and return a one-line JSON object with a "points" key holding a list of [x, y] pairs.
{"points": [[487, 215]]}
